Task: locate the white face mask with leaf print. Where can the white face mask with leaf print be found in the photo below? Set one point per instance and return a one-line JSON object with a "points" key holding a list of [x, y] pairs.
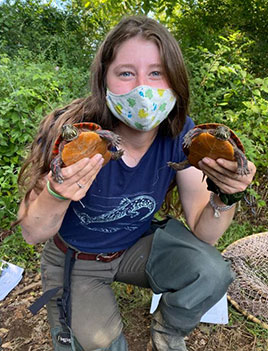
{"points": [[143, 108]]}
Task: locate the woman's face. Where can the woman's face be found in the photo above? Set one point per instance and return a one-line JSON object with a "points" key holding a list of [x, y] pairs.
{"points": [[137, 62]]}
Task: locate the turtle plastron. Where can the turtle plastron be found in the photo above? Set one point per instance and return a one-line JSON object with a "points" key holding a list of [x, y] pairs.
{"points": [[214, 141], [82, 140]]}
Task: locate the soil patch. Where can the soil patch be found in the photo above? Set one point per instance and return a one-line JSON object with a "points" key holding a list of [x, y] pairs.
{"points": [[21, 331]]}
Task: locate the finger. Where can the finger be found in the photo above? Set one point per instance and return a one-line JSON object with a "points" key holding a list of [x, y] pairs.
{"points": [[84, 172], [88, 179], [211, 165], [227, 185], [83, 184], [227, 164], [92, 168], [81, 168], [230, 166], [226, 180]]}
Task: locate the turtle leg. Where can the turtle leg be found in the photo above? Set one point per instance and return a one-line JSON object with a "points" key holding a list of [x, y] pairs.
{"points": [[242, 162], [109, 136], [56, 164], [178, 166], [112, 139], [55, 167], [187, 140]]}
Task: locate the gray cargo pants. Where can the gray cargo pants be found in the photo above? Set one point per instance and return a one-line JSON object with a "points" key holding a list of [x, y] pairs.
{"points": [[191, 275]]}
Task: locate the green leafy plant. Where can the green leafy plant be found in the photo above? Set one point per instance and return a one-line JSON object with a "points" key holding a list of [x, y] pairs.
{"points": [[59, 33], [237, 231], [223, 91], [3, 265], [28, 91], [15, 250]]}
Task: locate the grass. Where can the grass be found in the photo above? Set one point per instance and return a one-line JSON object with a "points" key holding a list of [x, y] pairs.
{"points": [[237, 231], [15, 250], [254, 329]]}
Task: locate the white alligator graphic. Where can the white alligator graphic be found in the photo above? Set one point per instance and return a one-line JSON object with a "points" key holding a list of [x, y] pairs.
{"points": [[126, 208]]}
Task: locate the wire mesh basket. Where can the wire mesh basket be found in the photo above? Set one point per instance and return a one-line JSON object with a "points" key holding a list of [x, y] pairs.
{"points": [[249, 291]]}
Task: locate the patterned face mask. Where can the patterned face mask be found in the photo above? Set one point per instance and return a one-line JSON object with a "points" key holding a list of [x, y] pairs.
{"points": [[143, 108]]}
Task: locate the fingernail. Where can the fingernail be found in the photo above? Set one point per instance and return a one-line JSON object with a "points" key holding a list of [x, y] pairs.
{"points": [[206, 160], [200, 163], [98, 157]]}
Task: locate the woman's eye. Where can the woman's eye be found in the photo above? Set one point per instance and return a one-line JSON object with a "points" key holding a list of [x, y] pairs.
{"points": [[125, 74], [156, 73]]}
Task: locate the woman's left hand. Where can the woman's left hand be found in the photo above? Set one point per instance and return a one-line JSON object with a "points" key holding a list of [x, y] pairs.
{"points": [[223, 173]]}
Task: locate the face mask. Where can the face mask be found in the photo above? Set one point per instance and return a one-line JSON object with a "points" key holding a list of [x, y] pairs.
{"points": [[143, 108]]}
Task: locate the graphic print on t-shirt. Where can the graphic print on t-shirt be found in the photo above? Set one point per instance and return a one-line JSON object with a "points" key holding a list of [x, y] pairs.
{"points": [[119, 210]]}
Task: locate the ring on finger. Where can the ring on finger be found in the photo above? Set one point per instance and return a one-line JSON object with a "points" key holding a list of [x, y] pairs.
{"points": [[81, 186]]}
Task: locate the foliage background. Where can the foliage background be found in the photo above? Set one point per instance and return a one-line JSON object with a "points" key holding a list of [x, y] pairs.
{"points": [[46, 49]]}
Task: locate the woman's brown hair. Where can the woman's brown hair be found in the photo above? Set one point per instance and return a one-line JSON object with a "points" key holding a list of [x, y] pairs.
{"points": [[94, 108]]}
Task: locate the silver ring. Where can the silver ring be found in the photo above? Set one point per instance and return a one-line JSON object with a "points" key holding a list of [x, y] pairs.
{"points": [[80, 185]]}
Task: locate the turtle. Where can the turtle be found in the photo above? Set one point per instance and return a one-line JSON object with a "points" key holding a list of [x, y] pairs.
{"points": [[213, 140], [80, 140]]}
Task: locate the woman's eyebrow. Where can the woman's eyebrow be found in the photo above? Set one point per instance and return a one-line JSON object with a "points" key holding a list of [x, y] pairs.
{"points": [[124, 65], [156, 65], [129, 65]]}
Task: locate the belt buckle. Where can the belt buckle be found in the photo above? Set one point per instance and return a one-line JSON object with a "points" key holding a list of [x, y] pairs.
{"points": [[102, 256], [76, 253]]}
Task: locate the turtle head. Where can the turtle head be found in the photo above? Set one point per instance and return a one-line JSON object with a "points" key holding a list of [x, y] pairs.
{"points": [[222, 133], [69, 132]]}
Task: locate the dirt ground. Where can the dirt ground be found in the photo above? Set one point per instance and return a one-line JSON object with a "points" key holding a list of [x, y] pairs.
{"points": [[20, 331]]}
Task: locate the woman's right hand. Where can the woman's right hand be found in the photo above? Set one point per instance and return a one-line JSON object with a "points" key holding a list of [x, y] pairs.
{"points": [[44, 214], [77, 178]]}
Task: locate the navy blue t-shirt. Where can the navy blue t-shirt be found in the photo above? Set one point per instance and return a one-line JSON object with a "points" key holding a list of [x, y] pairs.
{"points": [[122, 200]]}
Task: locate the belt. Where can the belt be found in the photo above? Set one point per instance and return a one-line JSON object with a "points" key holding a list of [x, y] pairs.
{"points": [[104, 257]]}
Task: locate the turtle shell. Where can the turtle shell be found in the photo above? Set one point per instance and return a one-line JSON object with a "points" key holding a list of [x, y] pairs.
{"points": [[207, 145], [87, 144]]}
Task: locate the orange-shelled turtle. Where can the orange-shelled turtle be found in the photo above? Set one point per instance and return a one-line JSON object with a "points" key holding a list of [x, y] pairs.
{"points": [[80, 140], [215, 141]]}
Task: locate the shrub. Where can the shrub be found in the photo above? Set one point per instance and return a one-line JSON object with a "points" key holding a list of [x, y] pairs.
{"points": [[32, 25], [223, 91], [28, 91]]}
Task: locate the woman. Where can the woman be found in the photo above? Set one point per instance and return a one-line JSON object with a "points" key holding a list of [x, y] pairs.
{"points": [[140, 91]]}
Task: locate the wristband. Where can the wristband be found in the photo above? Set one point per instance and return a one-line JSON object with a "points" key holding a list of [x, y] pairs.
{"points": [[227, 199], [218, 209], [56, 195]]}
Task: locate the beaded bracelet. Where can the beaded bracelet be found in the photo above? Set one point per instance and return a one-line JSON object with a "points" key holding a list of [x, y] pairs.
{"points": [[218, 209], [56, 195]]}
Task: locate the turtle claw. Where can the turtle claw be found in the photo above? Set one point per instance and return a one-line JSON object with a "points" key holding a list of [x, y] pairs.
{"points": [[117, 140], [110, 137], [59, 180], [242, 171], [116, 155], [58, 177]]}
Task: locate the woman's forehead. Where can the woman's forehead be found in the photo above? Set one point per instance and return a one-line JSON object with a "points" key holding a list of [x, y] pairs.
{"points": [[137, 49]]}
